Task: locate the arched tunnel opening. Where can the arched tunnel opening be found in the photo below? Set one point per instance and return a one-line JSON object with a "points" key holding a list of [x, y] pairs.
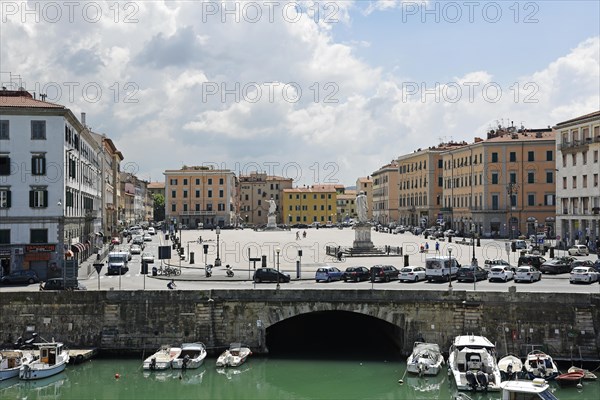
{"points": [[334, 335]]}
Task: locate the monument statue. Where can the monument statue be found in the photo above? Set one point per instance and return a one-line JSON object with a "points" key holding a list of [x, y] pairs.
{"points": [[361, 207], [272, 207]]}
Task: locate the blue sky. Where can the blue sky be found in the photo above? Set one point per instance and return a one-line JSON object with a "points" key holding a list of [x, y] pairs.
{"points": [[187, 83]]}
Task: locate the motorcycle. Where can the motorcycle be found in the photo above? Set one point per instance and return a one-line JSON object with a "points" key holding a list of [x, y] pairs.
{"points": [[208, 271], [26, 344], [229, 271]]}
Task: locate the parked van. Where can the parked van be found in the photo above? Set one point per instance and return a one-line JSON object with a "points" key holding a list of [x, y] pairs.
{"points": [[117, 262], [438, 268]]}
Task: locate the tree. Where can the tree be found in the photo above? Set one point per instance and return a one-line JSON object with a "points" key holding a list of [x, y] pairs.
{"points": [[159, 206]]}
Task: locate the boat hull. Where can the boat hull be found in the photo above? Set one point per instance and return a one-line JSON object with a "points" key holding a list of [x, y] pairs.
{"points": [[38, 370], [161, 360], [540, 365], [191, 357], [11, 362], [426, 359], [570, 378]]}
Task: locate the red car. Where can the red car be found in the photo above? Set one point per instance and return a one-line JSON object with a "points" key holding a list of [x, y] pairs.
{"points": [[115, 240]]}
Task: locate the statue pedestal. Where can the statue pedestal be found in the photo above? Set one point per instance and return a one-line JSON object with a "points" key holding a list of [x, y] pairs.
{"points": [[362, 236], [271, 223]]}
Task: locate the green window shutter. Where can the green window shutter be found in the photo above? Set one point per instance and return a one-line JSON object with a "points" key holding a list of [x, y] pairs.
{"points": [[45, 198], [8, 199], [31, 198]]}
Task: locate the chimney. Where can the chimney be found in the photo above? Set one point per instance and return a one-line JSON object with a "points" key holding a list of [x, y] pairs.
{"points": [[538, 135], [83, 118]]}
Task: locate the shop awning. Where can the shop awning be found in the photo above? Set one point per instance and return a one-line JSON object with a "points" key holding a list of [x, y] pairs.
{"points": [[78, 247], [100, 234], [69, 253]]}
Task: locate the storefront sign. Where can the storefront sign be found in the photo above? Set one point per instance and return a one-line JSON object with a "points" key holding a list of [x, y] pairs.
{"points": [[40, 248], [5, 252]]}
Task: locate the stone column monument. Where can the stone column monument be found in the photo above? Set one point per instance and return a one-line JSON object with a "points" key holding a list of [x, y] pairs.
{"points": [[362, 229], [271, 220]]}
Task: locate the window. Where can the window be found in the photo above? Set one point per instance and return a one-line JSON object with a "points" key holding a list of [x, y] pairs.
{"points": [[4, 165], [584, 183], [259, 202], [4, 236], [549, 177], [38, 235], [210, 182], [173, 207], [184, 181], [38, 198], [513, 156], [564, 182], [595, 181], [221, 193], [584, 154], [494, 178], [595, 156], [173, 182], [494, 157], [531, 199], [173, 194], [574, 182], [4, 132], [549, 155], [38, 130], [440, 181], [531, 177], [220, 181], [495, 201], [530, 156], [5, 198], [513, 177], [185, 193], [574, 159], [513, 200], [564, 161], [185, 207], [38, 164], [209, 207], [198, 194], [197, 181], [440, 163], [210, 193], [197, 207], [549, 200]]}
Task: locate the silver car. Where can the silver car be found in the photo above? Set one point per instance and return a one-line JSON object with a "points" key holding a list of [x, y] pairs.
{"points": [[528, 273], [412, 274], [583, 274]]}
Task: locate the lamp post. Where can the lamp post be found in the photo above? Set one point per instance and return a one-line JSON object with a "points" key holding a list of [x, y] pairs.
{"points": [[473, 230], [277, 250], [450, 269], [511, 189], [218, 260]]}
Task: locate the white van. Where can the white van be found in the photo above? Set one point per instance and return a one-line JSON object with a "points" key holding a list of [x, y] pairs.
{"points": [[438, 268], [117, 262]]}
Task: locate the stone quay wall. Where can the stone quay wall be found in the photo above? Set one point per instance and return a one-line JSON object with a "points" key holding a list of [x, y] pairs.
{"points": [[121, 321]]}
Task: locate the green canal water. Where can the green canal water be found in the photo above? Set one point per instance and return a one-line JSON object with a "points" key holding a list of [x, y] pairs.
{"points": [[259, 378]]}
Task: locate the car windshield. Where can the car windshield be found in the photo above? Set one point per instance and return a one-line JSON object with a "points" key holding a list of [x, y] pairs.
{"points": [[580, 270], [406, 270], [523, 270]]}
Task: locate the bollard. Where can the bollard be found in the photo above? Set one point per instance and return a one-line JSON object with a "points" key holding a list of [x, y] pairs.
{"points": [[478, 242], [191, 257], [406, 260], [551, 252], [449, 238]]}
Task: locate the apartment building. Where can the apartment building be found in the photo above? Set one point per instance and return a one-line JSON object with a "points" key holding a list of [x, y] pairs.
{"points": [[346, 206], [310, 204], [201, 195], [255, 192], [578, 190], [386, 193], [157, 188], [365, 184]]}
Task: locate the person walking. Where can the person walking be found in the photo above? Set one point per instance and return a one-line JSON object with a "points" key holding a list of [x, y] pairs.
{"points": [[297, 235], [437, 247]]}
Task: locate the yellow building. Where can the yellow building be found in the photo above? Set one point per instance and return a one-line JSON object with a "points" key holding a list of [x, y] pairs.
{"points": [[195, 195], [255, 192], [345, 206], [310, 204], [386, 193], [366, 185]]}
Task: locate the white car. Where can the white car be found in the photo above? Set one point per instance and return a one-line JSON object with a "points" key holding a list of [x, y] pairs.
{"points": [[412, 274], [147, 238], [135, 249], [151, 231], [579, 250], [148, 258], [527, 273], [501, 273], [583, 274]]}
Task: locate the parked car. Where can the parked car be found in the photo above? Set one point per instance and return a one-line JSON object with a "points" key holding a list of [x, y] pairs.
{"points": [[579, 250], [356, 274], [148, 258], [527, 273], [151, 231], [147, 238], [135, 249], [498, 263], [520, 244], [57, 284], [449, 233], [20, 276], [270, 275], [412, 274], [557, 265], [583, 274], [384, 273], [583, 263], [328, 274], [501, 273], [466, 273], [531, 259], [597, 265]]}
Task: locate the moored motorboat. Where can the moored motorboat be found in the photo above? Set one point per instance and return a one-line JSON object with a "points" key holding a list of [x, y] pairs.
{"points": [[425, 359], [192, 356], [161, 359], [510, 367], [587, 375], [472, 363], [53, 359], [570, 378], [11, 361], [540, 365], [538, 388], [235, 356]]}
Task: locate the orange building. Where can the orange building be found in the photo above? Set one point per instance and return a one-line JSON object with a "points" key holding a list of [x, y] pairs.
{"points": [[255, 192], [386, 193], [366, 185]]}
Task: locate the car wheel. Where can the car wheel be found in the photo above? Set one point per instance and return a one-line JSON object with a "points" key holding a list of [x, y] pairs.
{"points": [[30, 281], [328, 280], [357, 279], [416, 279], [257, 280], [345, 279], [505, 278], [387, 278], [571, 282], [531, 280]]}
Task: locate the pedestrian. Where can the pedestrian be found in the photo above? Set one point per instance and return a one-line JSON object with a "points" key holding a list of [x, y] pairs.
{"points": [[426, 247], [298, 235], [171, 285], [304, 234], [437, 246]]}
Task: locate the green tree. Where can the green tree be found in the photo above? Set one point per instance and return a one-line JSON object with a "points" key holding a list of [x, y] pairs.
{"points": [[159, 207]]}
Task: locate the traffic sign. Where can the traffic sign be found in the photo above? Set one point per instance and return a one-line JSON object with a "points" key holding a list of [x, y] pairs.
{"points": [[98, 267], [255, 259]]}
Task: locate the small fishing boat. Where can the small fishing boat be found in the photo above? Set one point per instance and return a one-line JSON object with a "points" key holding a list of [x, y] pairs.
{"points": [[510, 367], [235, 356], [192, 356], [570, 378], [425, 359], [161, 359], [472, 363], [587, 375], [540, 365], [538, 388], [53, 360], [11, 361]]}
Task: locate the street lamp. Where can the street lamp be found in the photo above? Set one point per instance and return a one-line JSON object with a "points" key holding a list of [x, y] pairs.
{"points": [[218, 260], [277, 250], [450, 269], [473, 230], [511, 189]]}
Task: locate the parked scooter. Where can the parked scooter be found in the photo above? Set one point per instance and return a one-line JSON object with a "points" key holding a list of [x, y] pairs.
{"points": [[26, 344], [229, 271], [208, 270]]}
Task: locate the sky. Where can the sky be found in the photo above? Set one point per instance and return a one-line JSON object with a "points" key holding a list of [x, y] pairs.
{"points": [[320, 91]]}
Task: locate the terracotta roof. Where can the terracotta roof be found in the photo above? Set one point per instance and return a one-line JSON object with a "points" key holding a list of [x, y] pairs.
{"points": [[21, 98], [522, 137], [156, 185]]}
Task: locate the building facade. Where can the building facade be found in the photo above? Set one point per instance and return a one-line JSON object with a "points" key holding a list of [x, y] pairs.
{"points": [[346, 206], [157, 188], [201, 195], [310, 204], [366, 185], [578, 190], [255, 192], [386, 193]]}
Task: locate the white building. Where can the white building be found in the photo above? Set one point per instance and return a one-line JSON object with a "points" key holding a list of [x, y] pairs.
{"points": [[49, 186], [577, 184]]}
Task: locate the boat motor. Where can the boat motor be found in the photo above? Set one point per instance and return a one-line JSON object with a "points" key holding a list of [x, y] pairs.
{"points": [[482, 379], [472, 381], [229, 271], [208, 270]]}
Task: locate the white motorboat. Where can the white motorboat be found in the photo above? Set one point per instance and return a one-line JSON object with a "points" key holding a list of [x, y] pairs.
{"points": [[192, 355], [425, 359], [162, 359], [510, 367], [538, 388], [53, 359], [11, 361], [472, 363], [235, 356], [540, 365]]}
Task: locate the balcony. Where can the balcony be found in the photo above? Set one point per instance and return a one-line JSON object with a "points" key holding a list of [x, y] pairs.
{"points": [[198, 213], [91, 214], [577, 145]]}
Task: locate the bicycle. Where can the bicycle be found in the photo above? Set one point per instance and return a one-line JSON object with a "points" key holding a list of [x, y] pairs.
{"points": [[341, 258]]}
